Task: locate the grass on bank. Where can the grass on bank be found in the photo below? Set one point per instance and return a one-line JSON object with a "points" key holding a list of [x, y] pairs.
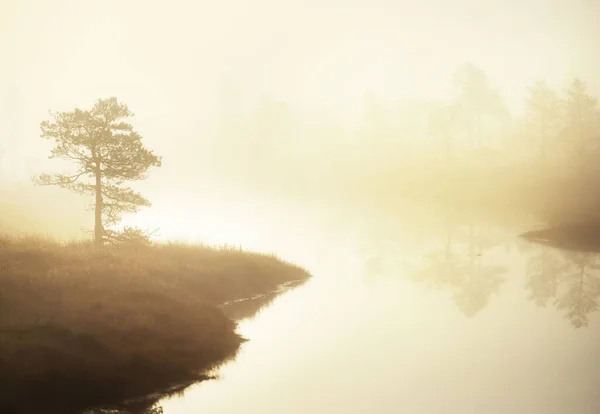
{"points": [[81, 326]]}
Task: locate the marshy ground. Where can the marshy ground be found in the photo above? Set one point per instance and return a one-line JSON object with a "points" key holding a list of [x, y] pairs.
{"points": [[82, 326]]}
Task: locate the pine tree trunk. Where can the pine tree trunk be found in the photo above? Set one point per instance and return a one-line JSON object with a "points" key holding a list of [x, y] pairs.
{"points": [[98, 230]]}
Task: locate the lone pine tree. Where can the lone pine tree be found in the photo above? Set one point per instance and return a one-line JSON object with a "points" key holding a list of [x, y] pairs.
{"points": [[107, 151]]}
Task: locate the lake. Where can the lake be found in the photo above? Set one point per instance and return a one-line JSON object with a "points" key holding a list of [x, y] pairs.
{"points": [[418, 311]]}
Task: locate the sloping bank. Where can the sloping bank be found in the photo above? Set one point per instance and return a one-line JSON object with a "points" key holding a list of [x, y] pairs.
{"points": [[81, 327], [576, 236]]}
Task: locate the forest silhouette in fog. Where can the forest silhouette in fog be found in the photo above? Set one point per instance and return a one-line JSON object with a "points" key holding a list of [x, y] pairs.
{"points": [[470, 149], [536, 159]]}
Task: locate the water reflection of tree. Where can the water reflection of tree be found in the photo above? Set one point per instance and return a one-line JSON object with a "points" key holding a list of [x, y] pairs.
{"points": [[471, 280], [543, 272], [571, 279]]}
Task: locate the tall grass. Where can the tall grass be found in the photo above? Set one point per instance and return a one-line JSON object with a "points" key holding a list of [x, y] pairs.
{"points": [[81, 326]]}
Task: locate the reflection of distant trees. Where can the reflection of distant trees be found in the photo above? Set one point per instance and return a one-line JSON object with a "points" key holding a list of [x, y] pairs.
{"points": [[470, 279], [473, 288], [542, 276], [570, 279]]}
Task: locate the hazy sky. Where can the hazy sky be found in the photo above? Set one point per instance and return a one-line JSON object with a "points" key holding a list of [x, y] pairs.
{"points": [[167, 60]]}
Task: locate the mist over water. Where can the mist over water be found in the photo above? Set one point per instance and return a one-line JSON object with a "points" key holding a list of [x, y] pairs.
{"points": [[426, 313], [393, 149]]}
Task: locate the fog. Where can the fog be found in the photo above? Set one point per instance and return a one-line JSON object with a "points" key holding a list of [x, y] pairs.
{"points": [[221, 90], [393, 150]]}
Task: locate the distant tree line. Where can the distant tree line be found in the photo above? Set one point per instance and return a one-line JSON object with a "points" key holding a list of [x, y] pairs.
{"points": [[272, 142]]}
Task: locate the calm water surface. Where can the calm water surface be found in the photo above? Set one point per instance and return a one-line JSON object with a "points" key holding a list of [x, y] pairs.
{"points": [[427, 314]]}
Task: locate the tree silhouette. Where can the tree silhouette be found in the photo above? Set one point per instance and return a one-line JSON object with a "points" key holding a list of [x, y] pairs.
{"points": [[580, 139], [544, 107], [543, 276], [581, 134], [471, 281], [474, 288], [581, 288], [107, 151], [473, 97], [571, 279]]}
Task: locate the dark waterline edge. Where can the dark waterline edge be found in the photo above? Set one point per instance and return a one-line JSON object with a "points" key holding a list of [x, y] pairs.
{"points": [[139, 404]]}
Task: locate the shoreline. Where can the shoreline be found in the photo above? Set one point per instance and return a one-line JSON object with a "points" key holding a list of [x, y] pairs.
{"points": [[143, 404], [579, 236], [82, 327]]}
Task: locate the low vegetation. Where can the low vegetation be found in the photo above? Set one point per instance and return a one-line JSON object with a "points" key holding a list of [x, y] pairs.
{"points": [[82, 326]]}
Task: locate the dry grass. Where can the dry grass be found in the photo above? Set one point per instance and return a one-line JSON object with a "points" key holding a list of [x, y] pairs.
{"points": [[81, 326]]}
